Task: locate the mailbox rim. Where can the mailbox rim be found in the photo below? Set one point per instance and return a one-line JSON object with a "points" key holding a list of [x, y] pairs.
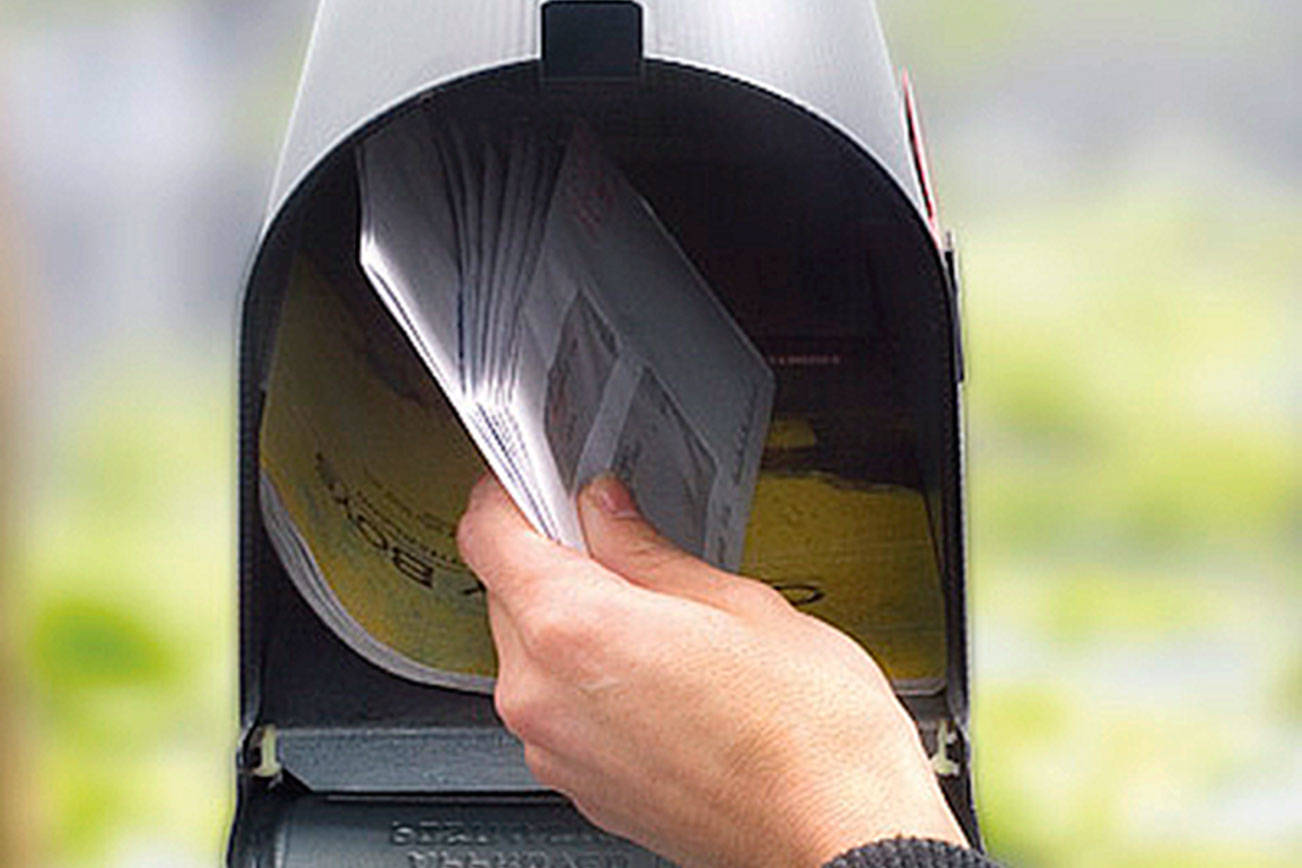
{"points": [[277, 237]]}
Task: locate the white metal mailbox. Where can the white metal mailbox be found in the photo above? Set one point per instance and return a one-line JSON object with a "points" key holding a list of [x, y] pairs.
{"points": [[752, 126]]}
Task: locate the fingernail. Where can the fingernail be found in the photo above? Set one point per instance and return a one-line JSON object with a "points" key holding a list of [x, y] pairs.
{"points": [[612, 497]]}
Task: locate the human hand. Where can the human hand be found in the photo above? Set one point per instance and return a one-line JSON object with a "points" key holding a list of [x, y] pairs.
{"points": [[690, 710]]}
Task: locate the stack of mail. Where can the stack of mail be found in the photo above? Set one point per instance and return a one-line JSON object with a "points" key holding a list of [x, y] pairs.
{"points": [[565, 326], [514, 304]]}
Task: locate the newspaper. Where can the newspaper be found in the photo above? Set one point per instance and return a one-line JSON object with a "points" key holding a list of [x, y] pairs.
{"points": [[366, 468], [538, 319], [857, 555]]}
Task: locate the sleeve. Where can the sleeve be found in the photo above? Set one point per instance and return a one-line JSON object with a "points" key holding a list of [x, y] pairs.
{"points": [[910, 853]]}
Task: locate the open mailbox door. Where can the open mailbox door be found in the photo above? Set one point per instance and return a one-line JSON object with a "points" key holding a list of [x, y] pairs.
{"points": [[775, 142]]}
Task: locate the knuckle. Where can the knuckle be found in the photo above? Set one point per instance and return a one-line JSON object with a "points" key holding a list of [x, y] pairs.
{"points": [[507, 703], [468, 534], [560, 632], [592, 811], [652, 555], [518, 710], [765, 596], [549, 631], [744, 595], [542, 765]]}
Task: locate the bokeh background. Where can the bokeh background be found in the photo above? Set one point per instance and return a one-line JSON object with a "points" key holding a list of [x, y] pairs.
{"points": [[1125, 179]]}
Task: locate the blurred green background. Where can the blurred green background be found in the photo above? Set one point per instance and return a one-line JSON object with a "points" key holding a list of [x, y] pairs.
{"points": [[1125, 180]]}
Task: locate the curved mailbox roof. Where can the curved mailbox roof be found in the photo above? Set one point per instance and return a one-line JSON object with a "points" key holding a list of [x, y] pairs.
{"points": [[365, 58]]}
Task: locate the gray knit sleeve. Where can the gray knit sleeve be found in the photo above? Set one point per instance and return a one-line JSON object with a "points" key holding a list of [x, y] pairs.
{"points": [[910, 853]]}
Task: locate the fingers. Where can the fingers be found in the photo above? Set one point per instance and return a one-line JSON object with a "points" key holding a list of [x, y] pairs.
{"points": [[621, 540], [551, 608], [520, 567]]}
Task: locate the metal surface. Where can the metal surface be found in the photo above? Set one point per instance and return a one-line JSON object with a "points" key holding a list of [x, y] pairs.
{"points": [[464, 832], [389, 760], [365, 58]]}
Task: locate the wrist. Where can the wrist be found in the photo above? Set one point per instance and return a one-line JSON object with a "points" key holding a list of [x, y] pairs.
{"points": [[833, 818], [829, 843]]}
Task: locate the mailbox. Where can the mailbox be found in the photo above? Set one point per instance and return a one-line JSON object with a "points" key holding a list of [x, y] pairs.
{"points": [[779, 146]]}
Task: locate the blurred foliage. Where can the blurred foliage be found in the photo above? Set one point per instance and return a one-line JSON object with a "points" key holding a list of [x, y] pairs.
{"points": [[1133, 407], [1131, 348], [1134, 485], [128, 626]]}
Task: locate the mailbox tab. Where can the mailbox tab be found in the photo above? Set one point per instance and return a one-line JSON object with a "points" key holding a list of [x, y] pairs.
{"points": [[587, 40]]}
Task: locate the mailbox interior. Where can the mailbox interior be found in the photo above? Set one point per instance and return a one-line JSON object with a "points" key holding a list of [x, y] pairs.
{"points": [[800, 232]]}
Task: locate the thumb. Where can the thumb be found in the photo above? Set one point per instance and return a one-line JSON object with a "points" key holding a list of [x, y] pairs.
{"points": [[622, 541]]}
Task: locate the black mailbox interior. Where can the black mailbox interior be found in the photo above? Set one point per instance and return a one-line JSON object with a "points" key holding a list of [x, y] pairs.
{"points": [[809, 243]]}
